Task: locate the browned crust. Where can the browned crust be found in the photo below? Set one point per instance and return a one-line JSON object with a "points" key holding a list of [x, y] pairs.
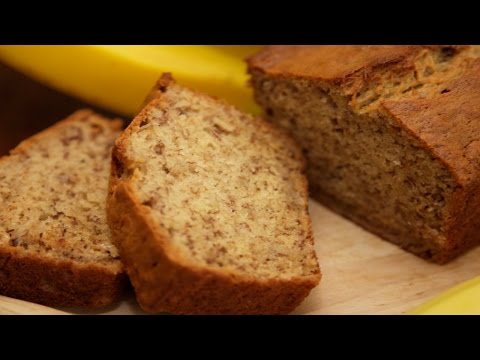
{"points": [[58, 283], [349, 65], [324, 62], [28, 276], [166, 282], [446, 124], [163, 282], [165, 80]]}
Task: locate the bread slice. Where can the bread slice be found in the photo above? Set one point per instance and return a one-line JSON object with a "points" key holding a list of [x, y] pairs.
{"points": [[55, 244], [209, 209], [391, 135]]}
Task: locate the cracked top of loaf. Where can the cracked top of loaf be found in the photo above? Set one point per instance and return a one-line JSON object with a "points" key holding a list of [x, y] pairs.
{"points": [[432, 91]]}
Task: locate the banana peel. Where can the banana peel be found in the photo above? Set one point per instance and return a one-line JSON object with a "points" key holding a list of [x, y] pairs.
{"points": [[118, 77], [462, 299]]}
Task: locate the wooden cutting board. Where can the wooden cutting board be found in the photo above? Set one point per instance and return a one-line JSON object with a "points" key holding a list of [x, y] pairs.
{"points": [[361, 275]]}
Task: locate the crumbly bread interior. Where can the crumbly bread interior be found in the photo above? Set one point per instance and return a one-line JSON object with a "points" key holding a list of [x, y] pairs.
{"points": [[359, 158], [53, 189], [228, 189]]}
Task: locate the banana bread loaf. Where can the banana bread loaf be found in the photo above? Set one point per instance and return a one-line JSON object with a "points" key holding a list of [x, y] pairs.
{"points": [[391, 135], [209, 209], [55, 244]]}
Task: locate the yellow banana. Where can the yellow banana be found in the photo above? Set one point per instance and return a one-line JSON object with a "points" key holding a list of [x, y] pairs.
{"points": [[118, 77], [461, 299]]}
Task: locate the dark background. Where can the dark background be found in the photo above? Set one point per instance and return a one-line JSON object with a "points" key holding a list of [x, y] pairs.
{"points": [[27, 107]]}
